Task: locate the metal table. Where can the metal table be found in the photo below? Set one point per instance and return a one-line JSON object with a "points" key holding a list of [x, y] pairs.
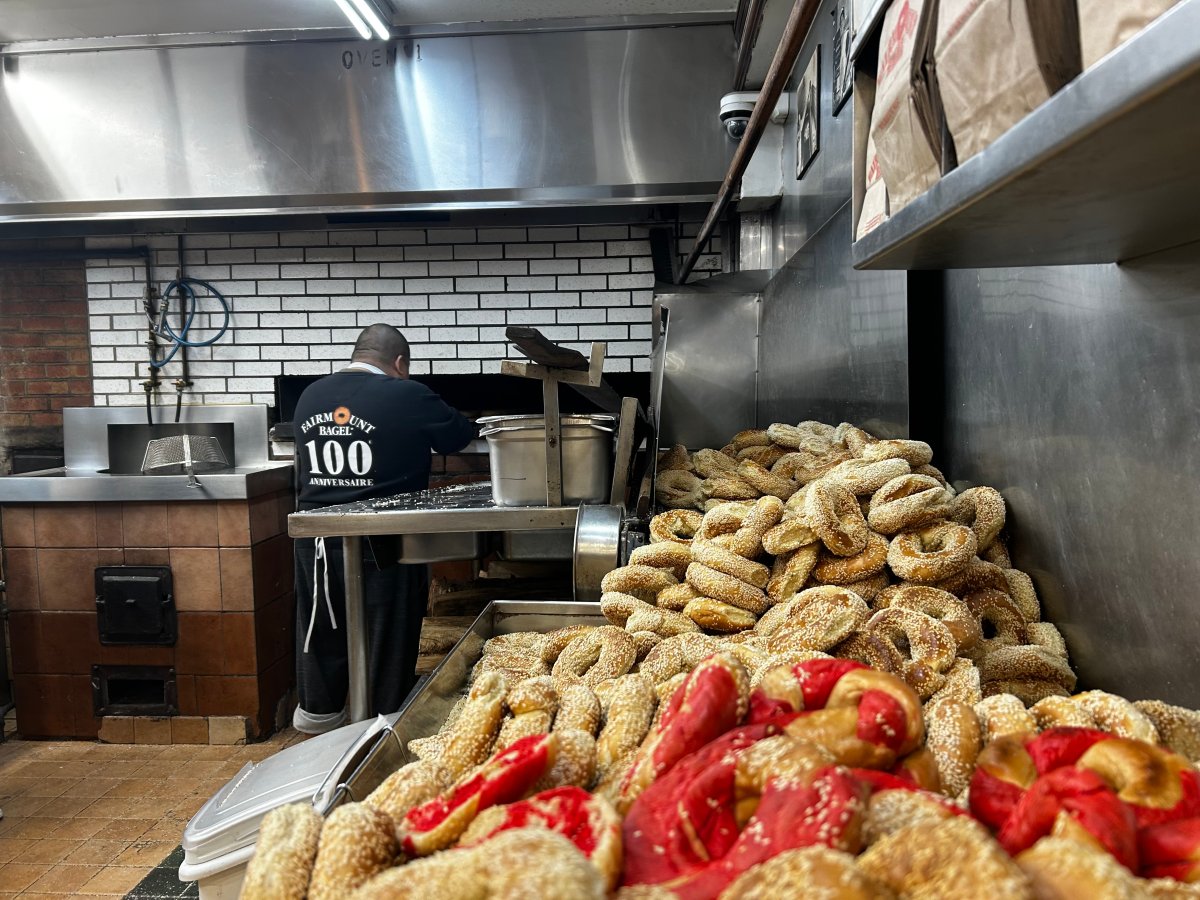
{"points": [[457, 508]]}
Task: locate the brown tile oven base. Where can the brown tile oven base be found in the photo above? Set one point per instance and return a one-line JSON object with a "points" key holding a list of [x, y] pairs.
{"points": [[231, 564]]}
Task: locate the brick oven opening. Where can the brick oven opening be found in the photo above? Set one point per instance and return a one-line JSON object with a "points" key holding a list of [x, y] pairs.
{"points": [[134, 691]]}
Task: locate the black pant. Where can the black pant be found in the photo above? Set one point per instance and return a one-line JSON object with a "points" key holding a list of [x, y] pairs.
{"points": [[394, 597]]}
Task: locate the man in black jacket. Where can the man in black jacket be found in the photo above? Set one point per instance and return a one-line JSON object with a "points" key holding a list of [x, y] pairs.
{"points": [[364, 432]]}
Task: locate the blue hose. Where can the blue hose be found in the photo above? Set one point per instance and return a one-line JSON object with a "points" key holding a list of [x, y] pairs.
{"points": [[186, 287]]}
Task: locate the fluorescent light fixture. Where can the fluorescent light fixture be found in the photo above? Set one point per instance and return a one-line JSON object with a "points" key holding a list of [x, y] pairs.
{"points": [[368, 11], [355, 19]]}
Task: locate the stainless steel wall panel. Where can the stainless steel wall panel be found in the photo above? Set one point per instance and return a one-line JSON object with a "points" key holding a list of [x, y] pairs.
{"points": [[1076, 392], [809, 202], [706, 360], [610, 116], [834, 340]]}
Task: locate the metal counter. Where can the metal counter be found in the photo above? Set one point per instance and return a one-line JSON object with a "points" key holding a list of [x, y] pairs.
{"points": [[82, 485], [459, 508]]}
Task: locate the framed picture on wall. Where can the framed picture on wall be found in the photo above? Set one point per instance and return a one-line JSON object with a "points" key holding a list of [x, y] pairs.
{"points": [[843, 68], [808, 120]]}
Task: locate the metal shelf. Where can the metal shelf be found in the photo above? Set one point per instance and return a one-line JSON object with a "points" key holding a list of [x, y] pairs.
{"points": [[1104, 171]]}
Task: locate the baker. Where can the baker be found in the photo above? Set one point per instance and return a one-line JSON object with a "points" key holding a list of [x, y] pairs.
{"points": [[366, 431]]}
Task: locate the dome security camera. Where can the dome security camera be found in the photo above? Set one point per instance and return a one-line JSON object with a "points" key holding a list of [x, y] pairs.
{"points": [[736, 109]]}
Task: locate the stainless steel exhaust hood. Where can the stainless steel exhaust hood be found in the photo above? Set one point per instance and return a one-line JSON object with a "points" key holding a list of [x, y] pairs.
{"points": [[478, 121]]}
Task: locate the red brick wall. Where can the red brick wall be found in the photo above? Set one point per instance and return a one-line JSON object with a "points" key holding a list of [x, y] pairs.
{"points": [[45, 361]]}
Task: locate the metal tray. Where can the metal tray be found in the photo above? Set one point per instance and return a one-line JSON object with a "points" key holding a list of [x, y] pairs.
{"points": [[365, 765]]}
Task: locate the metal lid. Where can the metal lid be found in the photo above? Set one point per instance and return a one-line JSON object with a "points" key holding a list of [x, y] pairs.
{"points": [[539, 420]]}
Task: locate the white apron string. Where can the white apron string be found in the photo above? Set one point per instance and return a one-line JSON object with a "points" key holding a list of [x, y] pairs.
{"points": [[321, 556]]}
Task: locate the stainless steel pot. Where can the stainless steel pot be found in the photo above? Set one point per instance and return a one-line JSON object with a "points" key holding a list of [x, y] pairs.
{"points": [[517, 451]]}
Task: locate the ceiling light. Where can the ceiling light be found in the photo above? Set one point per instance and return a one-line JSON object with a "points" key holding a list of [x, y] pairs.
{"points": [[355, 19], [368, 11]]}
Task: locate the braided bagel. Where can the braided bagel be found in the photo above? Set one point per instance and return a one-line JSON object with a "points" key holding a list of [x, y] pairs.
{"points": [[724, 518], [927, 645], [915, 453], [1020, 588], [677, 525], [788, 535], [871, 650], [805, 436], [469, 740], [933, 472], [931, 554], [739, 567], [676, 597], [790, 572], [977, 576], [1060, 712], [556, 641], [862, 478], [982, 509], [669, 555], [852, 437], [1025, 661], [803, 466], [719, 586], [953, 735], [764, 515], [533, 703], [578, 708], [764, 456], [962, 683], [728, 486], [764, 481], [1004, 714], [848, 569], [820, 618], [677, 489], [908, 502], [714, 615], [643, 582], [810, 872], [944, 607], [601, 654], [677, 457], [627, 714], [357, 842], [1117, 715], [832, 512], [633, 615], [711, 463], [284, 854], [753, 437]]}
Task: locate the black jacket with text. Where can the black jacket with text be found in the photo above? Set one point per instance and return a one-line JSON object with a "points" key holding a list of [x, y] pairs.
{"points": [[360, 435]]}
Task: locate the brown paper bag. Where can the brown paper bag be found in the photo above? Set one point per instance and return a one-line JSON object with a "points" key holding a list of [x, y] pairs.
{"points": [[868, 190], [1105, 25], [998, 60], [875, 199], [909, 157]]}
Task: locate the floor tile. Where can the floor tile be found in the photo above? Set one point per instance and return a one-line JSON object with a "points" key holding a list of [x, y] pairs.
{"points": [[114, 879], [146, 853], [12, 848], [124, 829], [63, 879], [18, 876], [49, 851], [92, 787], [96, 853], [78, 829], [64, 807]]}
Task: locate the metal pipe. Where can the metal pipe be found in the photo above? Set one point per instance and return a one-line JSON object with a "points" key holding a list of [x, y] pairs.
{"points": [[356, 631], [746, 40], [799, 21]]}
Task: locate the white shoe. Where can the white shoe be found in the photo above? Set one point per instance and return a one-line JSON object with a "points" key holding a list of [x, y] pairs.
{"points": [[318, 723]]}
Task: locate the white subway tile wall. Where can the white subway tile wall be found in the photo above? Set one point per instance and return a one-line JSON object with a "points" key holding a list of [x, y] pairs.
{"points": [[299, 299]]}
